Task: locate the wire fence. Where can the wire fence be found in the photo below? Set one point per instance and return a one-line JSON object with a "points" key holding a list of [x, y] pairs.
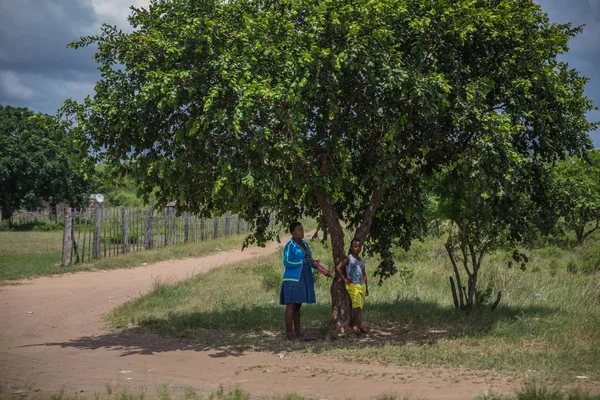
{"points": [[107, 232]]}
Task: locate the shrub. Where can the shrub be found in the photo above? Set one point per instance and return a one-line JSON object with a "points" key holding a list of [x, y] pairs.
{"points": [[117, 238], [270, 277], [39, 226]]}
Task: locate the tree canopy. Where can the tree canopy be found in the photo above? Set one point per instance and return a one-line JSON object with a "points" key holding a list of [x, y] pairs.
{"points": [[329, 108], [37, 162]]}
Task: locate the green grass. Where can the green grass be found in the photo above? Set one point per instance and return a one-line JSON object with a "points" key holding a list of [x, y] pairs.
{"points": [[553, 336], [28, 254], [530, 391], [25, 255], [163, 392], [533, 391]]}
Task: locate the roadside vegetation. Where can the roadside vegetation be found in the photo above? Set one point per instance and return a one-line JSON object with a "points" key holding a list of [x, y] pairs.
{"points": [[530, 391], [546, 326]]}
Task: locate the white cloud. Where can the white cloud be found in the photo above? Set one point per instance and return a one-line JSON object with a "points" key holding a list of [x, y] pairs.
{"points": [[115, 12]]}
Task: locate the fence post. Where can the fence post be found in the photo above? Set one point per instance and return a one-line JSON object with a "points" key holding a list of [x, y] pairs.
{"points": [[52, 213], [67, 238], [73, 241], [186, 226], [239, 225], [97, 230], [215, 227], [202, 230], [171, 214], [227, 223], [148, 232], [125, 247]]}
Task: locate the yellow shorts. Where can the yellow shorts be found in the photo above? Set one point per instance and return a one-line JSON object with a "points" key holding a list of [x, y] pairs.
{"points": [[357, 294]]}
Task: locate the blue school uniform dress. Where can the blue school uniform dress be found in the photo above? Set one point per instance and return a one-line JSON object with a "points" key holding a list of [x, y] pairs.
{"points": [[298, 285]]}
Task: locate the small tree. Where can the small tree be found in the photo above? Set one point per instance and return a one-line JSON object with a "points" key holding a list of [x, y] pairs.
{"points": [[495, 198], [577, 181], [332, 109]]}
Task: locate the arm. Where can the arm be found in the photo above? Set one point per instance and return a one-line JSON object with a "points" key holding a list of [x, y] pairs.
{"points": [[290, 260], [317, 264], [340, 271], [365, 279]]}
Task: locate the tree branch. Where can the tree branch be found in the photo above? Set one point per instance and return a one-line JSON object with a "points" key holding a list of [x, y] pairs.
{"points": [[369, 215], [456, 273]]}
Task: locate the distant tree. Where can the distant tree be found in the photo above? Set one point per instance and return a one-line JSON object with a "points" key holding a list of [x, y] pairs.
{"points": [[38, 162], [577, 192], [118, 191], [332, 109]]}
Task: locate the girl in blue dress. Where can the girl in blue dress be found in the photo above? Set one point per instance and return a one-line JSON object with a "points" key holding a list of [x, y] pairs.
{"points": [[298, 286]]}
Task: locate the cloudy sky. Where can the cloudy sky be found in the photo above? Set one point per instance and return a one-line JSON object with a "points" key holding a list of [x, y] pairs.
{"points": [[39, 72]]}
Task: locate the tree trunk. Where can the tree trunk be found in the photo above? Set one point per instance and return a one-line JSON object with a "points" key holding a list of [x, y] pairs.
{"points": [[498, 298], [459, 285], [579, 233], [472, 290], [341, 318], [454, 295], [7, 215], [340, 300]]}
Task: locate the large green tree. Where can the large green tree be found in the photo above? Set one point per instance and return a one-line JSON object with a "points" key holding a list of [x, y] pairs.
{"points": [[325, 108], [37, 162]]}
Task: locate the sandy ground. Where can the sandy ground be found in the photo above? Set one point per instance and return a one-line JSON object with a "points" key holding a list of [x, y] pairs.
{"points": [[52, 339]]}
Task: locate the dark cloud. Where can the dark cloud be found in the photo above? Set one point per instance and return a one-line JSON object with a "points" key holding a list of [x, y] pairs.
{"points": [[584, 49], [34, 35], [39, 72]]}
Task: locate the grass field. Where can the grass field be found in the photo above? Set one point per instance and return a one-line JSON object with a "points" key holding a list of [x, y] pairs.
{"points": [[547, 326], [25, 255], [28, 254]]}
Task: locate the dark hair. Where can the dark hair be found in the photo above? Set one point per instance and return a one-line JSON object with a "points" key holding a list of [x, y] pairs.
{"points": [[352, 242], [294, 225]]}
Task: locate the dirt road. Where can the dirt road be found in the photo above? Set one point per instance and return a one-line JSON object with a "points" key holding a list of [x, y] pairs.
{"points": [[51, 338]]}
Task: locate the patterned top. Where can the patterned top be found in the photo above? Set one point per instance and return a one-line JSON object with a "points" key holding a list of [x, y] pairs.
{"points": [[354, 270]]}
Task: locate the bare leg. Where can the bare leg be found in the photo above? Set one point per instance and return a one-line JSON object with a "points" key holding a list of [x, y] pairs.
{"points": [[297, 319], [290, 310], [359, 324], [356, 316]]}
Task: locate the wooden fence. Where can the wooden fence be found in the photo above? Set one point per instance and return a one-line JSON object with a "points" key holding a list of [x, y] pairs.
{"points": [[107, 232], [44, 214]]}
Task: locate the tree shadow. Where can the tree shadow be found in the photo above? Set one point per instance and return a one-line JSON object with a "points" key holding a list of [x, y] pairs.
{"points": [[234, 331]]}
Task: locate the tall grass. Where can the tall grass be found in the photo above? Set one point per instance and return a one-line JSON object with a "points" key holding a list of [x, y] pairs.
{"points": [[530, 391], [546, 326]]}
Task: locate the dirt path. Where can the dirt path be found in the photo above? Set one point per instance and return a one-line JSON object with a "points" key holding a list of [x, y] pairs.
{"points": [[51, 338]]}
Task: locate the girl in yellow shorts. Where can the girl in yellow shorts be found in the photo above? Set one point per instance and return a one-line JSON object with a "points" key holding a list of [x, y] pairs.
{"points": [[353, 272]]}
